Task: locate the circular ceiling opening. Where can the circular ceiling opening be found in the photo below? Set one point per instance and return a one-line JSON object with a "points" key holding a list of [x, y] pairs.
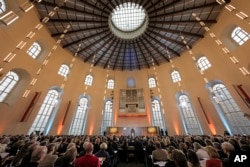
{"points": [[128, 17]]}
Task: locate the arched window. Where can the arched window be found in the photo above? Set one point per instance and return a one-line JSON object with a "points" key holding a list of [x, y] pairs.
{"points": [[64, 70], [2, 7], [239, 35], [189, 119], [111, 84], [88, 80], [203, 63], [175, 76], [46, 113], [229, 112], [157, 118], [107, 118], [34, 50], [151, 82], [80, 117], [7, 84]]}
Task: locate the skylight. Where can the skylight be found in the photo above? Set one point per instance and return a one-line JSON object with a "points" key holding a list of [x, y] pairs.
{"points": [[128, 16]]}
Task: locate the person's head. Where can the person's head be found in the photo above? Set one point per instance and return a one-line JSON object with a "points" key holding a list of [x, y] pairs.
{"points": [[51, 148], [192, 157], [38, 154], [89, 148], [70, 155], [212, 152], [179, 158], [227, 147], [71, 145], [158, 145], [197, 146], [103, 146], [170, 149], [217, 146]]}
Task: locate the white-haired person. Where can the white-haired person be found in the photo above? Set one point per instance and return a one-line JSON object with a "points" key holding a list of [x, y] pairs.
{"points": [[102, 153]]}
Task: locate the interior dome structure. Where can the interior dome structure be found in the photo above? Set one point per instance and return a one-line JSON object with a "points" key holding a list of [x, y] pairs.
{"points": [[128, 35]]}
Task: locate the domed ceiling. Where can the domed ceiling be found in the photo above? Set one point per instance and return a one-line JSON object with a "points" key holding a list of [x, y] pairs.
{"points": [[127, 35]]}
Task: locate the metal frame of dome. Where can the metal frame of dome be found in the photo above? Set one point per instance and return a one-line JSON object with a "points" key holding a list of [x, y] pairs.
{"points": [[167, 21]]}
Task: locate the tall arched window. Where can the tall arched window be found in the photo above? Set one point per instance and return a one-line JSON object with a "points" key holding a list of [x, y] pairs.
{"points": [[176, 77], [151, 82], [189, 119], [46, 113], [229, 112], [239, 35], [203, 63], [7, 84], [107, 118], [80, 117], [2, 7], [64, 70], [88, 80], [157, 117], [111, 84], [34, 50]]}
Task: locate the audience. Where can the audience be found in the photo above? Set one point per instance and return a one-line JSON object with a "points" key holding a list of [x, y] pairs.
{"points": [[72, 151]]}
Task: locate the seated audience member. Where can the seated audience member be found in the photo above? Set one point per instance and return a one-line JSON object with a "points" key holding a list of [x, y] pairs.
{"points": [[179, 158], [104, 154], [192, 159], [170, 162], [213, 160], [50, 158], [228, 149], [159, 154], [37, 156], [200, 151], [27, 157], [68, 159], [217, 147], [88, 160]]}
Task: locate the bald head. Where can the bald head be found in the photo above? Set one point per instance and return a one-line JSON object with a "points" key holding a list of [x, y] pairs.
{"points": [[89, 148]]}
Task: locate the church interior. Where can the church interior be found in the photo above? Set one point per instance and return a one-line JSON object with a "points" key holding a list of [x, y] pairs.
{"points": [[124, 67]]}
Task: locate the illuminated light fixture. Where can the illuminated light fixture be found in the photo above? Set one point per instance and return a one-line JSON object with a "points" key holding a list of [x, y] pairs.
{"points": [[206, 28], [9, 57], [212, 35], [202, 23], [225, 50], [190, 52], [26, 93], [33, 81], [193, 58], [49, 54], [39, 26], [21, 45], [58, 41], [38, 71], [221, 2], [9, 18], [244, 71], [205, 79], [51, 13], [26, 6], [45, 19], [234, 60], [242, 15], [230, 8], [54, 47], [45, 62], [62, 86], [218, 42], [62, 35], [30, 35], [201, 71]]}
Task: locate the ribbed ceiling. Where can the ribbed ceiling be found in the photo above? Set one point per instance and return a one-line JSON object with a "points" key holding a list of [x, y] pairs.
{"points": [[96, 40]]}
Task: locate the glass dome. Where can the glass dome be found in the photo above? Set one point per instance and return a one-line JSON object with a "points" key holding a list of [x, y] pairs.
{"points": [[128, 16]]}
